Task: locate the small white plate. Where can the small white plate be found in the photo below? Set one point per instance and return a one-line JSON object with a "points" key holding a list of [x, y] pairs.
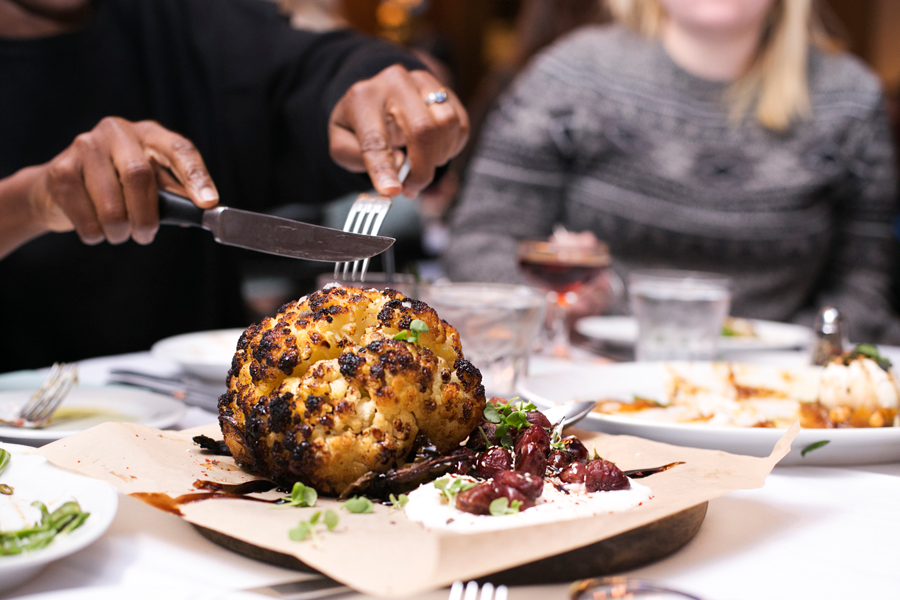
{"points": [[33, 476], [625, 380], [205, 354], [770, 335], [86, 406], [132, 592]]}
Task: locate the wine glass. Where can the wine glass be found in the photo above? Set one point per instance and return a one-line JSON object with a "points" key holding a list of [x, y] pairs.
{"points": [[562, 269]]}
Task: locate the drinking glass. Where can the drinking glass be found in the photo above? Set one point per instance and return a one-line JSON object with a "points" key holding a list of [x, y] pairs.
{"points": [[497, 324], [562, 270], [679, 313]]}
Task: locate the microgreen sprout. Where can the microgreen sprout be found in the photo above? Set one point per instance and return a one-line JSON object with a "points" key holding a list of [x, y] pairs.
{"points": [[416, 328], [508, 416], [302, 495], [814, 446], [450, 487], [871, 352], [502, 506], [398, 502], [596, 455], [307, 529], [556, 442], [359, 505]]}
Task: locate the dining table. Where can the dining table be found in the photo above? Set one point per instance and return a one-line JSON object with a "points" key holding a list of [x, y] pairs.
{"points": [[810, 532]]}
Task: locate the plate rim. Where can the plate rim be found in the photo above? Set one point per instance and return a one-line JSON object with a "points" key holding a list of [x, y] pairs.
{"points": [[174, 414], [158, 349], [584, 323]]}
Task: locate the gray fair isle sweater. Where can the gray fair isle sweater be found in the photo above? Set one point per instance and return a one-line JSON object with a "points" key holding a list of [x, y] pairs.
{"points": [[604, 132]]}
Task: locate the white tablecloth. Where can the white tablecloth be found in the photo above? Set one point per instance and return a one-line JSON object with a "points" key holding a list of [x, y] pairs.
{"points": [[824, 533]]}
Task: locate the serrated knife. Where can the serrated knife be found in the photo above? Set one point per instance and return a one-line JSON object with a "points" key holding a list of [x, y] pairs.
{"points": [[267, 233]]}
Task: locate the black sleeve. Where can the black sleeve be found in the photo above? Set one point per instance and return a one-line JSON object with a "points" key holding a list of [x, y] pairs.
{"points": [[264, 90]]}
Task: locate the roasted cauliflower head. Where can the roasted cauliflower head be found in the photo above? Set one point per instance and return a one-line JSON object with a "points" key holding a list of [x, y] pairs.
{"points": [[323, 394]]}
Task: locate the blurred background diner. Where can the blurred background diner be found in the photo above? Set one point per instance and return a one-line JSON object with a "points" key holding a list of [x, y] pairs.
{"points": [[786, 186]]}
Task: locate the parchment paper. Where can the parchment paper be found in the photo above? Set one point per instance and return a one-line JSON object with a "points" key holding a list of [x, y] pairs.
{"points": [[384, 554]]}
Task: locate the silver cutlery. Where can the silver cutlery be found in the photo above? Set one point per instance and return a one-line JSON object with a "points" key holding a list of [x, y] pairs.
{"points": [[571, 412], [38, 410], [365, 217], [469, 591], [190, 391], [313, 588], [267, 233]]}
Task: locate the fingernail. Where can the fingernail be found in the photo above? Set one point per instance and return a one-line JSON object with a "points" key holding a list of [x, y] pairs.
{"points": [[208, 194]]}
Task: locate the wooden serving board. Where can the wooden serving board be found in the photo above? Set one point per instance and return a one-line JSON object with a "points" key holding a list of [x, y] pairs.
{"points": [[623, 552]]}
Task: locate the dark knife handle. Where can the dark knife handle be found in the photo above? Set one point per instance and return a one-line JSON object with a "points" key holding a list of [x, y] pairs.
{"points": [[178, 210]]}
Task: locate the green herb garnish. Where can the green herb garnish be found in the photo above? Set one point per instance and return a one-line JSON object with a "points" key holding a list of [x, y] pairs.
{"points": [[398, 502], [359, 505], [869, 351], [4, 459], [814, 446], [307, 529], [416, 328], [450, 487], [556, 442], [508, 416], [302, 495], [502, 506], [728, 331]]}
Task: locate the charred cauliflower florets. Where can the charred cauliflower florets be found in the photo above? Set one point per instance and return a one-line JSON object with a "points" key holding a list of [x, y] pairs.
{"points": [[323, 394]]}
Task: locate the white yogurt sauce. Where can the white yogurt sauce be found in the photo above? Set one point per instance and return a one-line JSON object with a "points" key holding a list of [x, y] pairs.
{"points": [[17, 513], [425, 507]]}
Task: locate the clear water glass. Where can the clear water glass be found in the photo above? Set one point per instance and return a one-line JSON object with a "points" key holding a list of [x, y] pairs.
{"points": [[679, 313], [497, 324]]}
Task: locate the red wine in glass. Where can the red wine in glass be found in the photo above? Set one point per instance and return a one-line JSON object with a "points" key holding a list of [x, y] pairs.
{"points": [[561, 269]]}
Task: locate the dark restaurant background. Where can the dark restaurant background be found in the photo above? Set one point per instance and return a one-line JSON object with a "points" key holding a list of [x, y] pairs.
{"points": [[479, 46]]}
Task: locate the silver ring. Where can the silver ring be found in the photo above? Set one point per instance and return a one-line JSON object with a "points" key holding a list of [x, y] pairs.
{"points": [[436, 97]]}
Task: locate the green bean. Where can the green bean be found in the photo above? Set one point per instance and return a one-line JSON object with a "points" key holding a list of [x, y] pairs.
{"points": [[64, 519]]}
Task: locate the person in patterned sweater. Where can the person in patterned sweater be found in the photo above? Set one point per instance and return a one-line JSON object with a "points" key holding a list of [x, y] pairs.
{"points": [[726, 136]]}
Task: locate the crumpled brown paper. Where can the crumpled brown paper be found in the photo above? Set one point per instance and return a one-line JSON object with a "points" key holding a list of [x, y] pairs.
{"points": [[384, 554]]}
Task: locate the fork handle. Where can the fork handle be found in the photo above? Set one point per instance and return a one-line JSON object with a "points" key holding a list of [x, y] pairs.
{"points": [[175, 209]]}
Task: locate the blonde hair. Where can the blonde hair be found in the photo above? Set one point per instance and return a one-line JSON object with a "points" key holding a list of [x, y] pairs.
{"points": [[776, 82]]}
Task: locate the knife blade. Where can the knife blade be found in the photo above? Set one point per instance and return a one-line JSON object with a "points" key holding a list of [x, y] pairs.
{"points": [[267, 233]]}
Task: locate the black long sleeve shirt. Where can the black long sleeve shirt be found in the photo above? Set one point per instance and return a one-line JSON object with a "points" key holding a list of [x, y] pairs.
{"points": [[253, 94]]}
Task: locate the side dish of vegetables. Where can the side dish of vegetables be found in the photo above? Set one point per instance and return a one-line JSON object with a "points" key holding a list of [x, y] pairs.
{"points": [[64, 519]]}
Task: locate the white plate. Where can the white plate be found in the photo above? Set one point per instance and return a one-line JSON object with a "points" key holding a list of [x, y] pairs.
{"points": [[132, 592], [99, 404], [624, 380], [770, 335], [33, 476], [206, 354]]}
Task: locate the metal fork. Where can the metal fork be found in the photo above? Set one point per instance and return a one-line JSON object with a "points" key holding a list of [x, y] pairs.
{"points": [[469, 591], [44, 402], [366, 216]]}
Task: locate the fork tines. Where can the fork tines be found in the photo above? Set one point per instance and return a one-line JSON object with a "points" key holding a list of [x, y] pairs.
{"points": [[469, 591], [365, 217], [41, 406]]}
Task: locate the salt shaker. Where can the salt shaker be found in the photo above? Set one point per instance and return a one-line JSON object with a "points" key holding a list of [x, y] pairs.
{"points": [[829, 335]]}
